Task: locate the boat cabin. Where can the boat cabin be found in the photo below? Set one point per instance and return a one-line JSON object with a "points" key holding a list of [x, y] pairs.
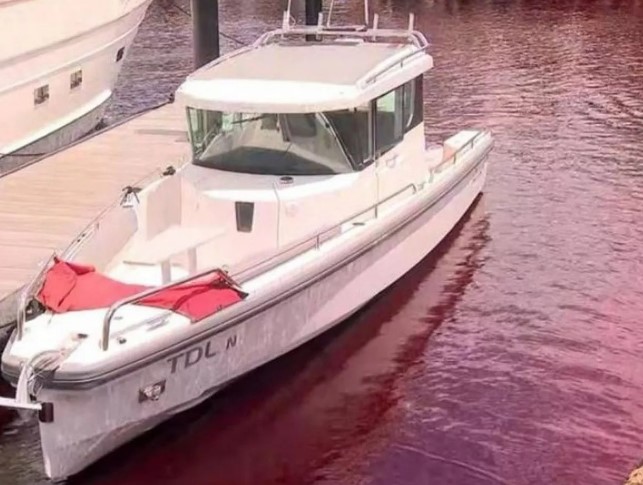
{"points": [[292, 137], [291, 108]]}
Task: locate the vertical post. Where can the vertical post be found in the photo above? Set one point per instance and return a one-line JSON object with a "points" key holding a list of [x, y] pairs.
{"points": [[205, 26], [313, 9]]}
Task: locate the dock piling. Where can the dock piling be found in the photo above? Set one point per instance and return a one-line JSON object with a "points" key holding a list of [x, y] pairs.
{"points": [[313, 8], [205, 26]]}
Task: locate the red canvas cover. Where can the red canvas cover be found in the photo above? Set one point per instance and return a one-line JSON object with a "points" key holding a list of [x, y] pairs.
{"points": [[74, 287]]}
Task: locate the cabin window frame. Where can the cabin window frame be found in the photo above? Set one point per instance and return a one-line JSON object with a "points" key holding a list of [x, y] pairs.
{"points": [[416, 86], [409, 120], [357, 161], [397, 125], [206, 124]]}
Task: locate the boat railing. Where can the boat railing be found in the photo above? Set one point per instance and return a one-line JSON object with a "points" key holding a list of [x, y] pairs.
{"points": [[321, 32], [93, 225], [107, 320], [406, 36], [392, 64], [314, 242], [452, 160], [33, 286], [249, 272], [412, 37]]}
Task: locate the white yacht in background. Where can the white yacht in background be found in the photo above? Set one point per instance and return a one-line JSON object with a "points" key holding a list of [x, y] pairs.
{"points": [[59, 61], [311, 190]]}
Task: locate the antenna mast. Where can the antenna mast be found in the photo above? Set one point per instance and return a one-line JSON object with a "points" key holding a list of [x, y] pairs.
{"points": [[366, 12]]}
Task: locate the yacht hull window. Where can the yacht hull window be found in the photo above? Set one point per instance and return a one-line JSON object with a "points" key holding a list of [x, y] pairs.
{"points": [[266, 143]]}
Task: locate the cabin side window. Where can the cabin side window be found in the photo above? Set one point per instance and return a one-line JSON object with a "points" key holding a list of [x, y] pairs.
{"points": [[396, 113], [266, 143], [389, 120], [413, 103]]}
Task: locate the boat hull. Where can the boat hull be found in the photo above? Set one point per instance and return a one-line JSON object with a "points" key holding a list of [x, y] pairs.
{"points": [[62, 137], [100, 418], [78, 64]]}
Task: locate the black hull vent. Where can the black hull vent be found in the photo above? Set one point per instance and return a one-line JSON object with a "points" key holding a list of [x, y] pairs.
{"points": [[245, 215]]}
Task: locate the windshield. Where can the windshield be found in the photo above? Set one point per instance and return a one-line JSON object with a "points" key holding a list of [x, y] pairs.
{"points": [[265, 143]]}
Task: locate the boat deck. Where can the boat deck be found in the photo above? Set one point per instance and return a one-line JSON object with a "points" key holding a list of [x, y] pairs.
{"points": [[44, 205]]}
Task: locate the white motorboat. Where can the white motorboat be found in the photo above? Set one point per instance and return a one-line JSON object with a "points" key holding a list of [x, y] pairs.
{"points": [[311, 190], [59, 62]]}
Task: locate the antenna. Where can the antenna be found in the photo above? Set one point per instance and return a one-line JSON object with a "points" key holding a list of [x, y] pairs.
{"points": [[286, 19], [330, 12], [376, 23], [366, 12]]}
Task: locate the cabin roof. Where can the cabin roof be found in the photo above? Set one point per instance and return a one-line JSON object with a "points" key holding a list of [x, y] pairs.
{"points": [[303, 76], [303, 62]]}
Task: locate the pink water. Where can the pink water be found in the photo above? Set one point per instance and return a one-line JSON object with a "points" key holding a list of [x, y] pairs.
{"points": [[513, 354]]}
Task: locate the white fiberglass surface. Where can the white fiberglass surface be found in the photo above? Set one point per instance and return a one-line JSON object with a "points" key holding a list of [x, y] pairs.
{"points": [[130, 327], [149, 275]]}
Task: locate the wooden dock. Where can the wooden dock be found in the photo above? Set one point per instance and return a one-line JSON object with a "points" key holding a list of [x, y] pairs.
{"points": [[44, 205]]}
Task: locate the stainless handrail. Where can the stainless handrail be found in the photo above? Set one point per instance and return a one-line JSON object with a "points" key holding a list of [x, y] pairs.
{"points": [[412, 37], [453, 158], [313, 242], [104, 343], [415, 37], [387, 66], [94, 224]]}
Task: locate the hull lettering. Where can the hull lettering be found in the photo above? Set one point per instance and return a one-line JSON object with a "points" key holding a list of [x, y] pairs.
{"points": [[196, 354]]}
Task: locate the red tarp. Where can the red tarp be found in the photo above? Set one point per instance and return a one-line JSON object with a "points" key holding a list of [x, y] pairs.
{"points": [[73, 287]]}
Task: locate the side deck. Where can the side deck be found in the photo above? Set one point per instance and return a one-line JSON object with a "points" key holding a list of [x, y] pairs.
{"points": [[44, 205]]}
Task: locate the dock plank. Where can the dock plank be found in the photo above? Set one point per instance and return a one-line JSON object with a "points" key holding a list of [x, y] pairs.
{"points": [[45, 205]]}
